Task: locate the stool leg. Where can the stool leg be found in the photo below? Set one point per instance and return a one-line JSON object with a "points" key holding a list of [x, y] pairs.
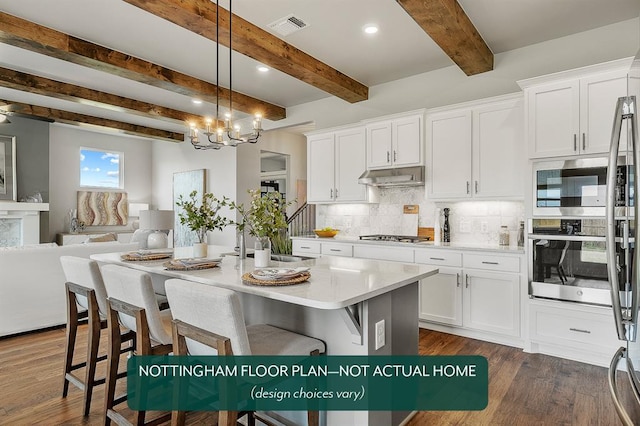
{"points": [[313, 416], [72, 330], [113, 359], [92, 358]]}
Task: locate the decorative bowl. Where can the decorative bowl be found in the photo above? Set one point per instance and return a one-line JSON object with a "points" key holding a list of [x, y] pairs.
{"points": [[322, 233]]}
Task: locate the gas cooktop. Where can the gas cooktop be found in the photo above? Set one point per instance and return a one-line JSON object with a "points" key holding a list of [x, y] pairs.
{"points": [[394, 238]]}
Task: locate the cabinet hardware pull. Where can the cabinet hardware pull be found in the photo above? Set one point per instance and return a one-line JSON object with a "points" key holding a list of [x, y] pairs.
{"points": [[336, 193], [331, 193], [466, 280], [335, 250], [436, 258], [305, 247], [579, 330], [457, 279], [584, 142], [575, 142], [490, 263], [467, 187], [395, 156], [476, 187], [388, 156]]}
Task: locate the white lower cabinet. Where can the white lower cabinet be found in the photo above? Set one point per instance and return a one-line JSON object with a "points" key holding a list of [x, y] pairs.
{"points": [[441, 297], [395, 254], [574, 331], [482, 293]]}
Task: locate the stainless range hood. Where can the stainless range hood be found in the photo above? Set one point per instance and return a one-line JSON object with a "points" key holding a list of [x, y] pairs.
{"points": [[403, 176]]}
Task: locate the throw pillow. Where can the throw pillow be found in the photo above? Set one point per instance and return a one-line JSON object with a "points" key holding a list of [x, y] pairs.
{"points": [[110, 236]]}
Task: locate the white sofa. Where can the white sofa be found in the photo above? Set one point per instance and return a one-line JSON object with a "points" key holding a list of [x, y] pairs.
{"points": [[32, 292]]}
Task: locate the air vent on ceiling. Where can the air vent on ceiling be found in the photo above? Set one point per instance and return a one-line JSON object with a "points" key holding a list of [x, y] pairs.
{"points": [[287, 25]]}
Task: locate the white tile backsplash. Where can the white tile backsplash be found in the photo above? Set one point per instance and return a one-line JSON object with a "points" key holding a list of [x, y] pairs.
{"points": [[470, 221]]}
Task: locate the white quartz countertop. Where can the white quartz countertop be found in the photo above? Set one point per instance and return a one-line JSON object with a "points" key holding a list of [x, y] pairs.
{"points": [[335, 282], [426, 244]]}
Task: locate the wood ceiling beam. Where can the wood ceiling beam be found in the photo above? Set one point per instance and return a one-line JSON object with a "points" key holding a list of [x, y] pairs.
{"points": [[80, 119], [199, 16], [27, 35], [448, 25], [56, 89]]}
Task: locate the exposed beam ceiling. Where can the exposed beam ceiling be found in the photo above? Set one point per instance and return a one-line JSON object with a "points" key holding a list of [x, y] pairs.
{"points": [[79, 119], [199, 16], [28, 35], [43, 86], [450, 27]]}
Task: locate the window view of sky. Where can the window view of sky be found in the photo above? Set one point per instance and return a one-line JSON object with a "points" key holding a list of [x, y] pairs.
{"points": [[100, 168]]}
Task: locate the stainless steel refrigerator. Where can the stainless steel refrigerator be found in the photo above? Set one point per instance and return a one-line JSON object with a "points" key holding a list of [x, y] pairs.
{"points": [[623, 260]]}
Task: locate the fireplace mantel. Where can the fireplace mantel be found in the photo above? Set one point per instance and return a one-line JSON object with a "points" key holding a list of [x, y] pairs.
{"points": [[12, 206]]}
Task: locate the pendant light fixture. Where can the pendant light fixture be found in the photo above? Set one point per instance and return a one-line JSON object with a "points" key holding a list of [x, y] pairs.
{"points": [[223, 132]]}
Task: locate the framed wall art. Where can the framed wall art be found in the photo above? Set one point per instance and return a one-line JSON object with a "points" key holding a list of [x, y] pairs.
{"points": [[8, 184], [102, 208], [183, 184]]}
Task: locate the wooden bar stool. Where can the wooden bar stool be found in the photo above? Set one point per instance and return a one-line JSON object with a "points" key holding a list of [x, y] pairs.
{"points": [[208, 320], [84, 288], [132, 304]]}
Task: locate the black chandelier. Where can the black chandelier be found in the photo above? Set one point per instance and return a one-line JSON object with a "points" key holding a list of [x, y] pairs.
{"points": [[226, 134]]}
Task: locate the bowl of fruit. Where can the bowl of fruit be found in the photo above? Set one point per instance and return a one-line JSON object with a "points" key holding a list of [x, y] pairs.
{"points": [[327, 232]]}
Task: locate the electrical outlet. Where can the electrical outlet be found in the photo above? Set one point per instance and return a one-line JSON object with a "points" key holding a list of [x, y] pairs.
{"points": [[380, 334], [465, 227], [484, 227]]}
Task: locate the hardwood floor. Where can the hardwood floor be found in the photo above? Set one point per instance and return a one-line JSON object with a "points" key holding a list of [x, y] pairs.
{"points": [[524, 389]]}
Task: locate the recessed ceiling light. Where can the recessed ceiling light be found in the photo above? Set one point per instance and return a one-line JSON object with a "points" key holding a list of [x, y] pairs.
{"points": [[196, 101], [262, 68], [370, 28]]}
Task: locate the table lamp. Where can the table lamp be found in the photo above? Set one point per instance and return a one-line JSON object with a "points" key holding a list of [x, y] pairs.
{"points": [[160, 221]]}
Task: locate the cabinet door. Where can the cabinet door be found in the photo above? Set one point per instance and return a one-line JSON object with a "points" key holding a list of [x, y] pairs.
{"points": [[553, 119], [320, 168], [449, 154], [498, 142], [350, 163], [406, 141], [379, 145], [598, 97], [441, 297], [492, 302]]}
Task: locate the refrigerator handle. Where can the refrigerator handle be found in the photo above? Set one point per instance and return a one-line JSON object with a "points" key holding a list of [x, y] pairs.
{"points": [[629, 111], [611, 222], [613, 388]]}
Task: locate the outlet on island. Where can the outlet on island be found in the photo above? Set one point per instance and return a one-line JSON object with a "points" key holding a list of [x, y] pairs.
{"points": [[484, 227]]}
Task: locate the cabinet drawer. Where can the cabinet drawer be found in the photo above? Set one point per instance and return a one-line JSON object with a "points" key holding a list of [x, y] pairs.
{"points": [[334, 249], [310, 247], [492, 263], [573, 328], [438, 257], [396, 254]]}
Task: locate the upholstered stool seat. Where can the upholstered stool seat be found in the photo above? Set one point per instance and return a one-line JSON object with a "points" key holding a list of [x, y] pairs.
{"points": [[208, 320], [132, 304], [86, 299]]}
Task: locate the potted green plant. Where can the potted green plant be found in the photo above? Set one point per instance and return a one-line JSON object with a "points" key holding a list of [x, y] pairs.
{"points": [[265, 219], [202, 216]]}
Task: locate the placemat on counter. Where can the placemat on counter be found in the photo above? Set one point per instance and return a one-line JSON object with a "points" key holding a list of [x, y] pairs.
{"points": [[247, 278]]}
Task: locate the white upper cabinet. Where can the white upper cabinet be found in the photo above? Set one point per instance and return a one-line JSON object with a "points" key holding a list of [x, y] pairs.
{"points": [[335, 160], [449, 154], [476, 151], [574, 116], [395, 142]]}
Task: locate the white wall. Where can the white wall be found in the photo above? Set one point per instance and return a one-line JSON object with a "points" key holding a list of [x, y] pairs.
{"points": [[450, 85], [64, 170], [220, 165]]}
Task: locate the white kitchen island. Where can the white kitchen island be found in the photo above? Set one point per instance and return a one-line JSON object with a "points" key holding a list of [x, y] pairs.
{"points": [[340, 304]]}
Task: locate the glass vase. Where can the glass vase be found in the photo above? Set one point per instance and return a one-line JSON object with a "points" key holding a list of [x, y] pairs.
{"points": [[262, 252]]}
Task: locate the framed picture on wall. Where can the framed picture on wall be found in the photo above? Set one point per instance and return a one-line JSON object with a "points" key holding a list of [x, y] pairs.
{"points": [[8, 187], [183, 184]]}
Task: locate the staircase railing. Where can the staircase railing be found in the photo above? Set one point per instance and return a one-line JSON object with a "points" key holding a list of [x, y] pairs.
{"points": [[302, 221]]}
